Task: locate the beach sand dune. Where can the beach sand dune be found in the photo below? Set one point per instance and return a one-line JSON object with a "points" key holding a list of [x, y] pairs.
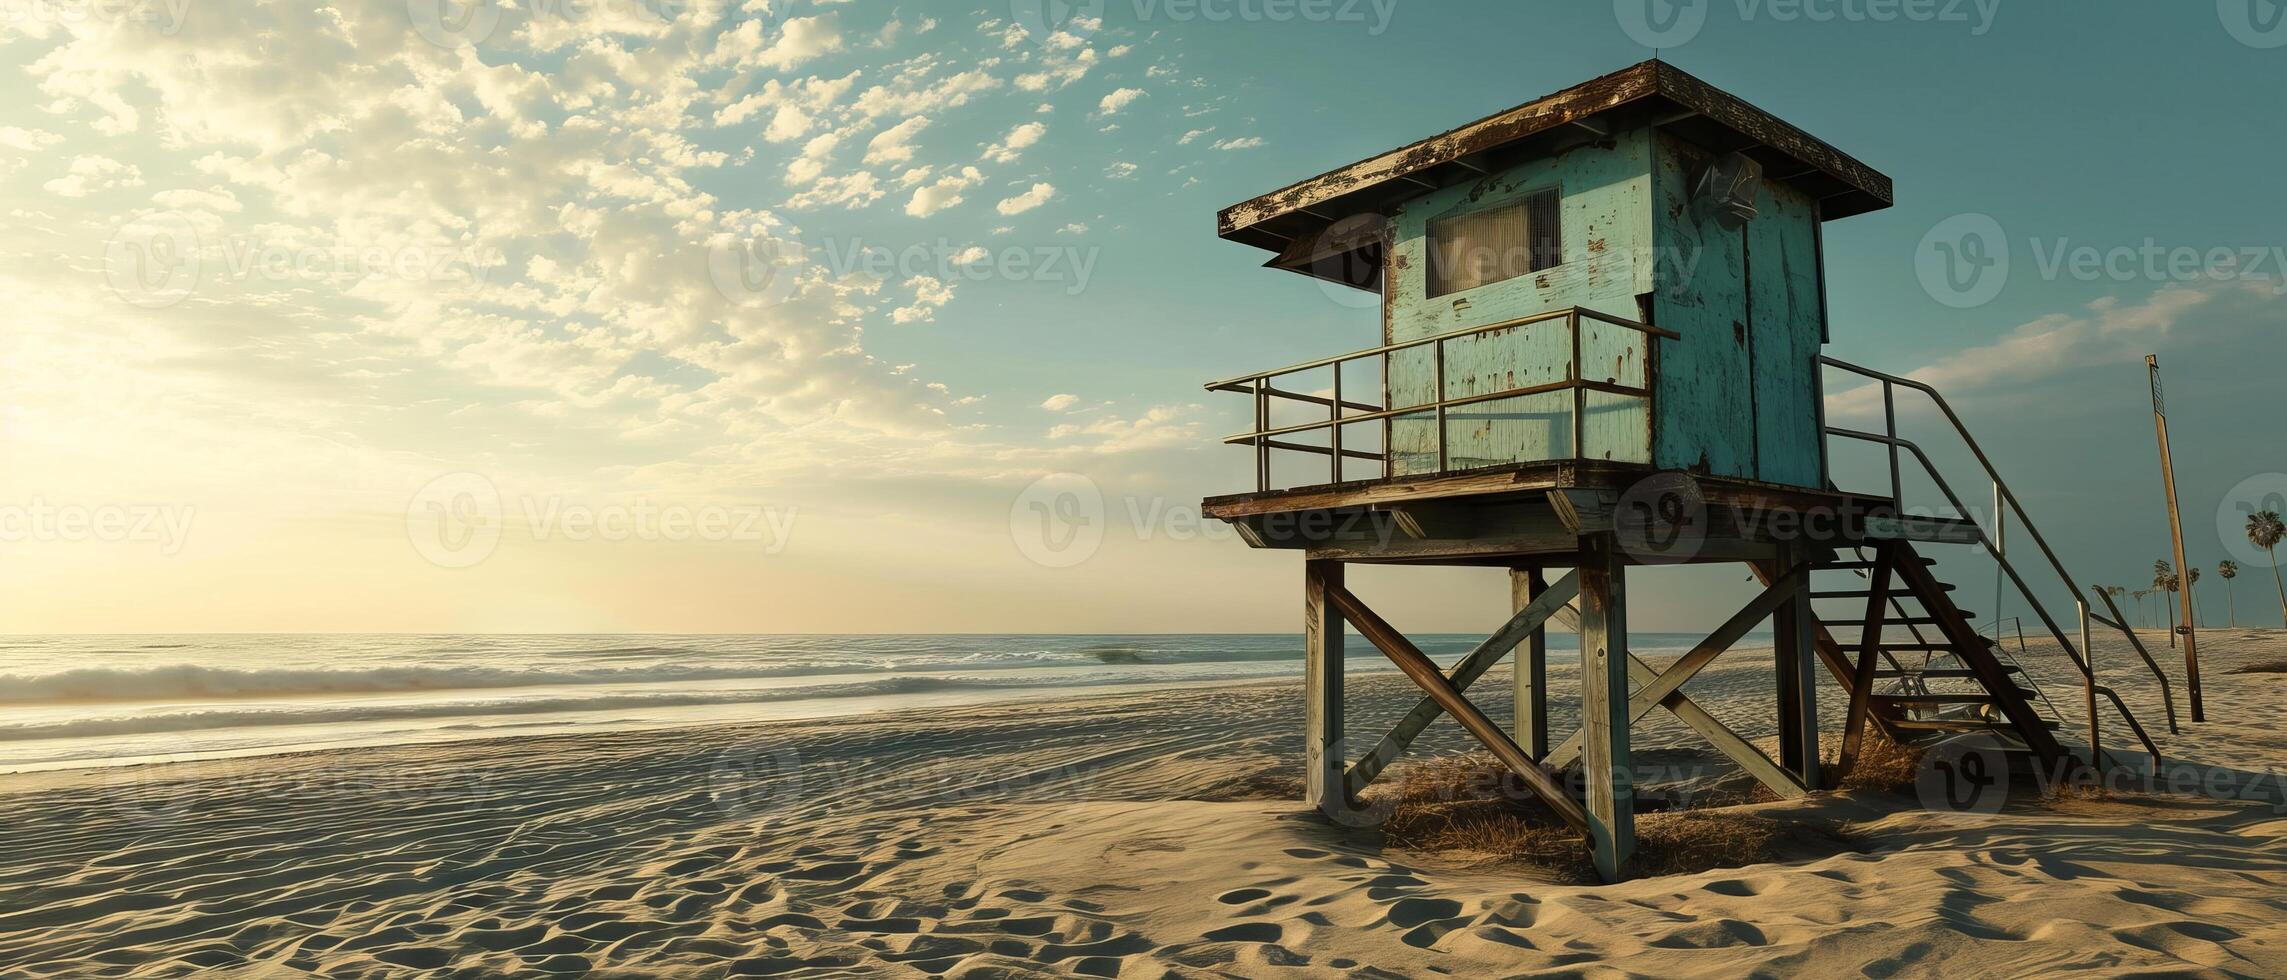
{"points": [[1136, 835]]}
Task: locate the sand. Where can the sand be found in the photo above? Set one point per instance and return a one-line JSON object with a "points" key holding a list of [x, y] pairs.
{"points": [[1138, 835]]}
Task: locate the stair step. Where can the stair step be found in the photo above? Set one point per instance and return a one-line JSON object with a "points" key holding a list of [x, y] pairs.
{"points": [[1945, 698], [1861, 566], [1942, 673], [1962, 725], [1863, 593], [1910, 647]]}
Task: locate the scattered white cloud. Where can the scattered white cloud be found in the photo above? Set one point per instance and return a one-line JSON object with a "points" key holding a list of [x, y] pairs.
{"points": [[1194, 135], [1060, 403], [1119, 99], [1240, 143], [89, 174], [929, 294], [895, 144], [1037, 196], [1120, 170], [1014, 144], [944, 193]]}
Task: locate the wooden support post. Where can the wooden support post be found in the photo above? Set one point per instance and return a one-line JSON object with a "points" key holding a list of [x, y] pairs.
{"points": [[1794, 632], [1530, 721], [1322, 688], [1869, 658], [1606, 759], [1657, 689]]}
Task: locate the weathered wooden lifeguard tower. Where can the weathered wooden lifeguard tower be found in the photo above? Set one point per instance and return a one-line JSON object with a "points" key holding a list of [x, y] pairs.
{"points": [[1603, 314]]}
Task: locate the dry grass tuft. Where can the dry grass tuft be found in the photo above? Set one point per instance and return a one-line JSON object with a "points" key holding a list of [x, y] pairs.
{"points": [[1883, 766], [1472, 804]]}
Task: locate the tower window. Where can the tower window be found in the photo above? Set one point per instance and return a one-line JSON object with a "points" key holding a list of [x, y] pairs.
{"points": [[1484, 247]]}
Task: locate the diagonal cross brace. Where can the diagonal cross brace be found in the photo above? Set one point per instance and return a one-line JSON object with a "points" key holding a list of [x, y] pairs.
{"points": [[1464, 673], [1658, 690], [1424, 673]]}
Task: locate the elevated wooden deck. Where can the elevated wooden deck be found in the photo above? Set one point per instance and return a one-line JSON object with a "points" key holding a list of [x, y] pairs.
{"points": [[1538, 512]]}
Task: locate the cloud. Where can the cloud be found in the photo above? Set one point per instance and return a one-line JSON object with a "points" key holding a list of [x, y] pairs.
{"points": [[1037, 196], [1060, 403], [1240, 143], [929, 293], [89, 174], [1013, 145], [1120, 170], [1119, 99], [1194, 136], [894, 145], [945, 193], [2107, 331]]}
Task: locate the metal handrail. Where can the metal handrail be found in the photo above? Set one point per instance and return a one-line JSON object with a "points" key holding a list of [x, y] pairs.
{"points": [[1339, 409], [2080, 660]]}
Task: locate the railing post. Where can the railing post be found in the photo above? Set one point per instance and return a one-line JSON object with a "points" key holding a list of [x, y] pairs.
{"points": [[1334, 430], [1262, 445], [1573, 374], [1437, 350], [1890, 425], [2088, 672]]}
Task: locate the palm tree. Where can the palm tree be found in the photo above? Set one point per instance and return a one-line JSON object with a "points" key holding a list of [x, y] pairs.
{"points": [[2164, 582], [2139, 595], [2264, 529], [2229, 569]]}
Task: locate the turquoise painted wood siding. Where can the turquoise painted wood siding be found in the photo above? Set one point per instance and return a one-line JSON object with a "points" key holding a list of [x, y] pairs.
{"points": [[1604, 193], [1736, 396]]}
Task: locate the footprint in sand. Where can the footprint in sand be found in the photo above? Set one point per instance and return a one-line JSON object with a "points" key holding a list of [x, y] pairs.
{"points": [[1242, 896], [1247, 932]]}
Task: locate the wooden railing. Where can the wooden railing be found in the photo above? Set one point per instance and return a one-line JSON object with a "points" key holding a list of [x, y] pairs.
{"points": [[2005, 500], [1343, 410]]}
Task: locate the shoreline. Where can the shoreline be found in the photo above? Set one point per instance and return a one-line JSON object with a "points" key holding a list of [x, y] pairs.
{"points": [[1139, 834]]}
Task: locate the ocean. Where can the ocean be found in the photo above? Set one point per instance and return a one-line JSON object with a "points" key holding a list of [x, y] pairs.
{"points": [[73, 701]]}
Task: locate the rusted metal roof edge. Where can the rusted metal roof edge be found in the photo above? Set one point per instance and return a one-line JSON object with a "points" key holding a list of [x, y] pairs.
{"points": [[1581, 102]]}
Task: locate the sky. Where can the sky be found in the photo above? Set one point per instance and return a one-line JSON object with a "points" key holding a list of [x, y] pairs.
{"points": [[811, 316]]}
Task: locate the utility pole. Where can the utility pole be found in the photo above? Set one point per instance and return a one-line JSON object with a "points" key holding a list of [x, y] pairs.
{"points": [[2176, 529]]}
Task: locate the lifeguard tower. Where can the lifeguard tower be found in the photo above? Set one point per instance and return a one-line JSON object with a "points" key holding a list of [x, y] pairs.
{"points": [[1603, 315]]}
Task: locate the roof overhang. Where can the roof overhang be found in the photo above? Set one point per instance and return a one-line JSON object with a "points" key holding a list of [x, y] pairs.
{"points": [[1290, 220]]}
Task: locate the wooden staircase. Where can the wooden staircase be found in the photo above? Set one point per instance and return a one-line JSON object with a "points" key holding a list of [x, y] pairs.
{"points": [[1912, 662]]}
